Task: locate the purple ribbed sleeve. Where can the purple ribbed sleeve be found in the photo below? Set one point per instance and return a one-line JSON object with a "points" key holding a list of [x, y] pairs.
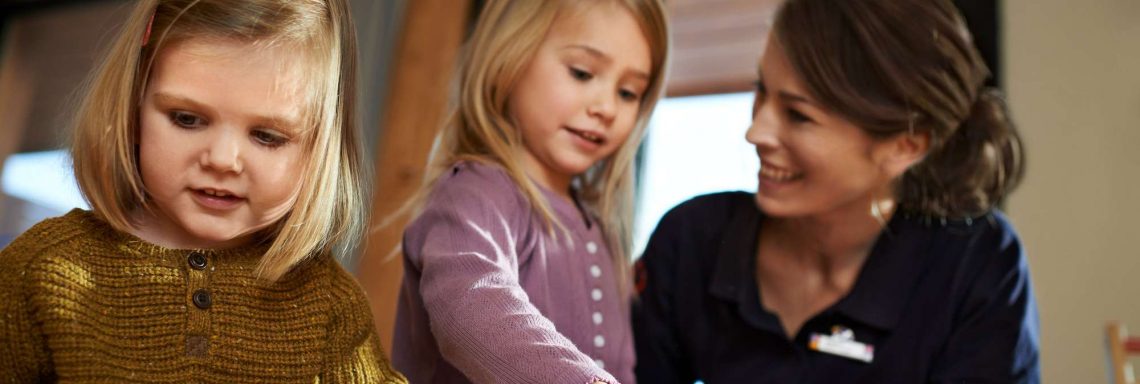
{"points": [[489, 297]]}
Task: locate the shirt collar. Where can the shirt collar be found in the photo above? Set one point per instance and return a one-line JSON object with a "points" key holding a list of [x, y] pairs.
{"points": [[884, 286], [881, 291]]}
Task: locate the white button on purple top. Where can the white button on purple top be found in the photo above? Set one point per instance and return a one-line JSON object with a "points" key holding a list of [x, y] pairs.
{"points": [[596, 294], [597, 318], [591, 247], [599, 341], [595, 270]]}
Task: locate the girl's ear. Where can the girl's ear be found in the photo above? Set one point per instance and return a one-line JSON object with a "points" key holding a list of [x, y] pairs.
{"points": [[903, 151]]}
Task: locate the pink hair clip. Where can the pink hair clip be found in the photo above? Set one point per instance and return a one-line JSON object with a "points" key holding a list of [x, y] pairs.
{"points": [[146, 36]]}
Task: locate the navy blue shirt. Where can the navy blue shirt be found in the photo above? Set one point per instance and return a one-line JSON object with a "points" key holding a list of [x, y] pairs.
{"points": [[939, 302]]}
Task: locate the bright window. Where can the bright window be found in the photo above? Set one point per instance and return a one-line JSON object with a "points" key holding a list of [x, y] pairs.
{"points": [[695, 146], [44, 179]]}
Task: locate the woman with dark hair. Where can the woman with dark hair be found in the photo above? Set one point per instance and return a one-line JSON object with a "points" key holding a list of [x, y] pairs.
{"points": [[873, 251]]}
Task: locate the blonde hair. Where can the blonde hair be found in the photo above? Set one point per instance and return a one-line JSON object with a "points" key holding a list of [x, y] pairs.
{"points": [[329, 214], [505, 40]]}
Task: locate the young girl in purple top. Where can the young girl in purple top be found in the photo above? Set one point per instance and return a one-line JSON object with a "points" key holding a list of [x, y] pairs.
{"points": [[517, 261]]}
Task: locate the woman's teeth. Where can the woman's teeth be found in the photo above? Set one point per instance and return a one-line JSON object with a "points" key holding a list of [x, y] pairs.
{"points": [[777, 174]]}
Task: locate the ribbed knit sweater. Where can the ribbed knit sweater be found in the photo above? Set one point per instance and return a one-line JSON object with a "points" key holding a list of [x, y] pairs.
{"points": [[490, 297], [81, 302]]}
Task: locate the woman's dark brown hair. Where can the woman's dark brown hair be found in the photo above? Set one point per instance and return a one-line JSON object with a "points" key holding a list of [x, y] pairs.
{"points": [[908, 67]]}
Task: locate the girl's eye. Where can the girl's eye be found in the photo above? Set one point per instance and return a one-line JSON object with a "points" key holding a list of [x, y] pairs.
{"points": [[798, 117], [186, 120], [269, 139], [580, 75], [629, 95]]}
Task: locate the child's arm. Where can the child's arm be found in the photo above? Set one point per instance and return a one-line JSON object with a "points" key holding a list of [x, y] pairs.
{"points": [[355, 355], [463, 247], [24, 356]]}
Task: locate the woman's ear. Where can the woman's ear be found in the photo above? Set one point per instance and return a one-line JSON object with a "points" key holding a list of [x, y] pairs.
{"points": [[903, 151]]}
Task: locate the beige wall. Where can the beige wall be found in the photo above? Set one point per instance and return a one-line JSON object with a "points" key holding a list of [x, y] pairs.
{"points": [[1073, 77]]}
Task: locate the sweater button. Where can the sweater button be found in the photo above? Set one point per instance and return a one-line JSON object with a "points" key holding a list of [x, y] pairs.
{"points": [[202, 299], [592, 247], [596, 294], [197, 261], [599, 341]]}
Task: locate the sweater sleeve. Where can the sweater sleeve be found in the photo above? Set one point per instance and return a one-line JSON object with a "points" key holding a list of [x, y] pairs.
{"points": [[465, 246], [24, 354], [354, 352]]}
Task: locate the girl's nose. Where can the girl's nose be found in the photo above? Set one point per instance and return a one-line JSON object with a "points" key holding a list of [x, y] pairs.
{"points": [[223, 153], [603, 106]]}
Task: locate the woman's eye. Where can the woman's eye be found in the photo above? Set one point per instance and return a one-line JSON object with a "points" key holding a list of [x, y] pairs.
{"points": [[797, 117], [580, 75], [268, 139], [186, 120]]}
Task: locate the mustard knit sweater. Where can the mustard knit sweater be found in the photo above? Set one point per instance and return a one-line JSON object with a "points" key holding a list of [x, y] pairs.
{"points": [[81, 302]]}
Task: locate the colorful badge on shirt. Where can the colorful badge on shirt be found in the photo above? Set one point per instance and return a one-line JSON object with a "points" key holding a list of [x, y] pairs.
{"points": [[841, 342]]}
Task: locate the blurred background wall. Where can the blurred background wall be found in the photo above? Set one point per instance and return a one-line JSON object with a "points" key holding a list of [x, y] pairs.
{"points": [[1072, 71]]}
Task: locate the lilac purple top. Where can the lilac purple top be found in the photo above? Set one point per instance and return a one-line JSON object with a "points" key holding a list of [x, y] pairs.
{"points": [[490, 297]]}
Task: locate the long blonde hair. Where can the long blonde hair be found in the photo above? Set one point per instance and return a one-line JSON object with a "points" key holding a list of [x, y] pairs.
{"points": [[505, 40], [329, 213]]}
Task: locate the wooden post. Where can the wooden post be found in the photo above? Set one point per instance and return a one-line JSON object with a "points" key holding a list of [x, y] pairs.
{"points": [[417, 101], [1121, 372], [16, 87]]}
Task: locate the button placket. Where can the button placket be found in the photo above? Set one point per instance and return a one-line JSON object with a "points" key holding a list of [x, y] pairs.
{"points": [[199, 301], [594, 272]]}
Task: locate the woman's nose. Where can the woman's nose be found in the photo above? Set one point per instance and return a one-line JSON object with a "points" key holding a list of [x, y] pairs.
{"points": [[763, 133]]}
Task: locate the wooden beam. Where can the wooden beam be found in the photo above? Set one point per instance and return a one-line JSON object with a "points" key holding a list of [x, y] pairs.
{"points": [[417, 102]]}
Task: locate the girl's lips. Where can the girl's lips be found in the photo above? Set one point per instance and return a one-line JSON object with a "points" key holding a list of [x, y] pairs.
{"points": [[216, 200], [588, 135]]}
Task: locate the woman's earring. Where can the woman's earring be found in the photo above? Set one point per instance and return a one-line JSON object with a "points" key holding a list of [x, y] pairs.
{"points": [[881, 209], [877, 213]]}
